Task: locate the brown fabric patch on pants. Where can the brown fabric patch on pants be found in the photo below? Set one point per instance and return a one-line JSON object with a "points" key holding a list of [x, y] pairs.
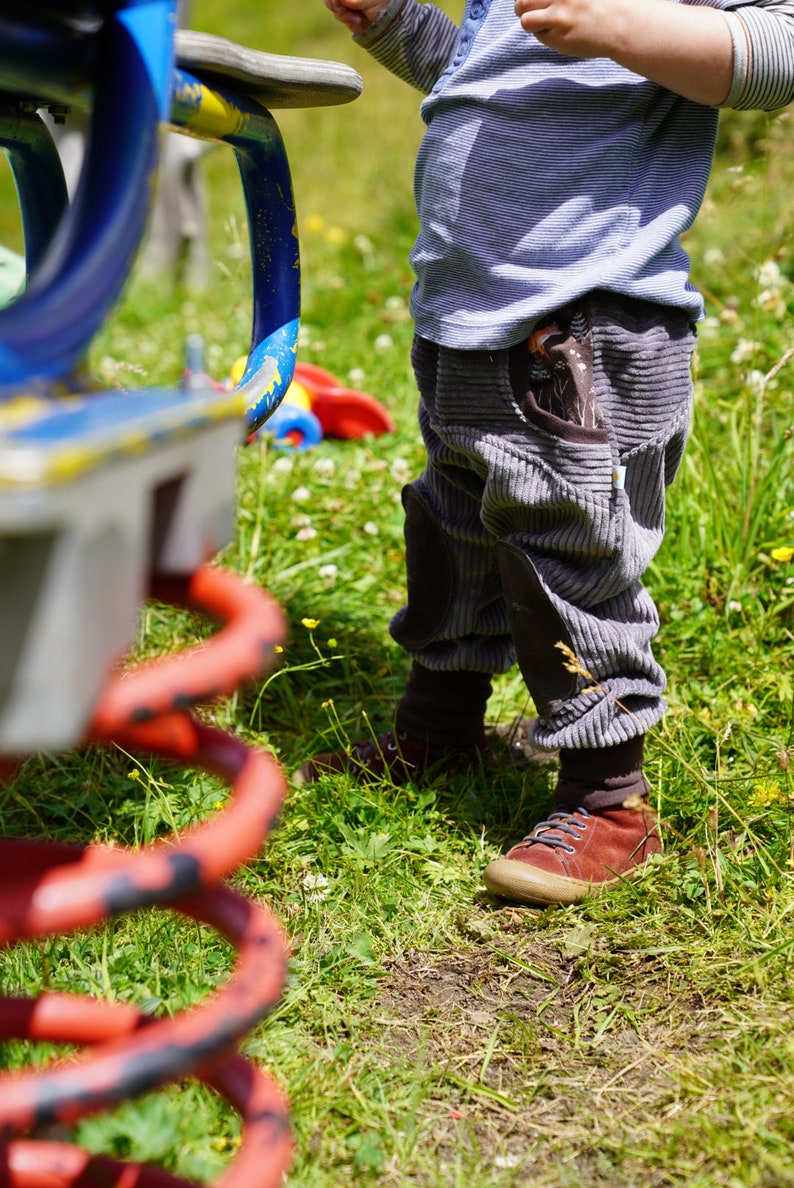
{"points": [[552, 377]]}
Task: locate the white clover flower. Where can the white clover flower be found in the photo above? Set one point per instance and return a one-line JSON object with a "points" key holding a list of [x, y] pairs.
{"points": [[397, 313], [771, 301], [745, 349], [371, 528], [770, 276], [316, 886], [363, 244], [328, 574], [395, 302], [713, 257], [282, 465], [383, 343], [352, 478], [307, 533], [734, 605], [400, 470], [325, 467], [301, 495], [301, 521], [756, 381], [356, 375]]}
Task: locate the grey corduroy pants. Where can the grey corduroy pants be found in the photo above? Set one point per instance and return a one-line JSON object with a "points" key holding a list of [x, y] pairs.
{"points": [[541, 506]]}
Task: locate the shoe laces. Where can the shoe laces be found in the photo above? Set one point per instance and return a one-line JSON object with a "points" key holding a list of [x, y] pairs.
{"points": [[374, 752], [561, 824]]}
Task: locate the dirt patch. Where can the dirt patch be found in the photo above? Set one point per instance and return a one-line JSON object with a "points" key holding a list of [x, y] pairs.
{"points": [[545, 1056]]}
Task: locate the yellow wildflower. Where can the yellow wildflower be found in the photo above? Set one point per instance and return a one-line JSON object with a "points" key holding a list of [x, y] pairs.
{"points": [[310, 624], [782, 553], [766, 793]]}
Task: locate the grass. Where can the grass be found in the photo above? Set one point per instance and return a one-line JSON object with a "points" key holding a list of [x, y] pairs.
{"points": [[430, 1035]]}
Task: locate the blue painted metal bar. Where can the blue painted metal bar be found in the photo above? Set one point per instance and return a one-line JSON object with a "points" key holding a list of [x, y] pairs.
{"points": [[76, 278], [250, 130], [38, 176], [46, 333]]}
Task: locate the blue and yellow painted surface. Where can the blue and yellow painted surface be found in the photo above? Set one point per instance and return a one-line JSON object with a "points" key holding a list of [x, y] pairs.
{"points": [[46, 442], [49, 436]]}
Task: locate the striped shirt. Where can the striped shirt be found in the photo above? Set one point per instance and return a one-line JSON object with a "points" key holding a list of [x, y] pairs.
{"points": [[542, 177]]}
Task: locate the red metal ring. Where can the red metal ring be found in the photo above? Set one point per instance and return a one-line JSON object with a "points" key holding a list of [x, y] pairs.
{"points": [[57, 887]]}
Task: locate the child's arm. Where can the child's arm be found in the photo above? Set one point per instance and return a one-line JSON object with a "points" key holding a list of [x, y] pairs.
{"points": [[413, 40], [688, 49]]}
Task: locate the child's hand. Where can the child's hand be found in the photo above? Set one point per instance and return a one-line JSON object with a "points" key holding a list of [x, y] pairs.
{"points": [[357, 15], [580, 28]]}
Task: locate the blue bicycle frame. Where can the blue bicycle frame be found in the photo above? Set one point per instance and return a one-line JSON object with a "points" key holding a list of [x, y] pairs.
{"points": [[78, 257]]}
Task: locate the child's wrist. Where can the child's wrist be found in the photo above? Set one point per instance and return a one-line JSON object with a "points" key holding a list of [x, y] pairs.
{"points": [[387, 14]]}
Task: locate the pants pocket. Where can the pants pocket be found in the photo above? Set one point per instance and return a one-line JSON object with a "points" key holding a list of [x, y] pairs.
{"points": [[552, 377]]}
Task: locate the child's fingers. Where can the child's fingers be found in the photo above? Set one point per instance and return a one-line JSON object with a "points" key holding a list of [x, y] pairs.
{"points": [[346, 13], [537, 16]]}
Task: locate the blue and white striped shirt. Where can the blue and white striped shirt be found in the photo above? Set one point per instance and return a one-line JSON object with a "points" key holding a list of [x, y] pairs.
{"points": [[542, 177]]}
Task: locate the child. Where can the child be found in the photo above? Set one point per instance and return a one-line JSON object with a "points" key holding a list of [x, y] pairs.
{"points": [[568, 146]]}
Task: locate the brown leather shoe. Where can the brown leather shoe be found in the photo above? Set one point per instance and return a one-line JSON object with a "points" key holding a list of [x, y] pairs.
{"points": [[575, 853], [396, 757]]}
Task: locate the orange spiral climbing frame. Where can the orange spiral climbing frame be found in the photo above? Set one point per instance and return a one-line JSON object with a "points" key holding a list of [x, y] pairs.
{"points": [[48, 888]]}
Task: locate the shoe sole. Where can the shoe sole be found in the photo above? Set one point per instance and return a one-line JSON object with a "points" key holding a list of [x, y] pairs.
{"points": [[526, 884]]}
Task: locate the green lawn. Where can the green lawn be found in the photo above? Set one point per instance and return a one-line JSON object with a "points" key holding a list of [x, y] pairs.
{"points": [[428, 1034]]}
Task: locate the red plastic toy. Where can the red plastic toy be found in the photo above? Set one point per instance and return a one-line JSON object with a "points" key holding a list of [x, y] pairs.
{"points": [[342, 412]]}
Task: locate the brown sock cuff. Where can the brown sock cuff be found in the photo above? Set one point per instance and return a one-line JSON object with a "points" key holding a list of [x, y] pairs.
{"points": [[601, 777], [444, 709]]}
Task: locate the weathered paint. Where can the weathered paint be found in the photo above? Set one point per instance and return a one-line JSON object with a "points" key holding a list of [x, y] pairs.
{"points": [[55, 887]]}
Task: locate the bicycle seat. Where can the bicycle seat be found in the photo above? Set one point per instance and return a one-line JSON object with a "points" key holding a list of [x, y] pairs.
{"points": [[276, 80]]}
